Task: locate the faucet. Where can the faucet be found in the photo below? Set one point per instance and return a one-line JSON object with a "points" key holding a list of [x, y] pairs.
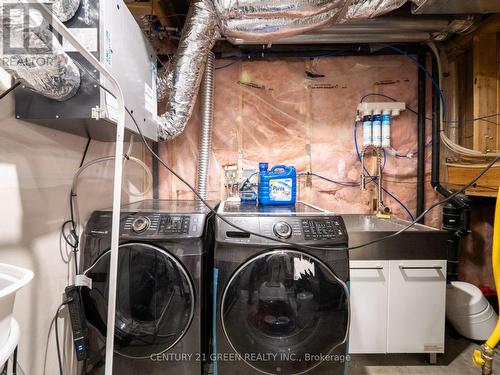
{"points": [[381, 208]]}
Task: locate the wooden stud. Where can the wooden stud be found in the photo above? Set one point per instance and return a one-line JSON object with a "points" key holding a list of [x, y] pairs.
{"points": [[485, 90]]}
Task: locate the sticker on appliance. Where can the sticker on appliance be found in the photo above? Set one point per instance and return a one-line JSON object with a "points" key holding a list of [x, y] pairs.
{"points": [[281, 189]]}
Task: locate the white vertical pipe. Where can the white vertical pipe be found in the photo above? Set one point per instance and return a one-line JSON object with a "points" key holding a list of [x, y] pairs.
{"points": [[120, 132]]}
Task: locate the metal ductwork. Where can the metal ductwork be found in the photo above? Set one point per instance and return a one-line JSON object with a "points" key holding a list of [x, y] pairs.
{"points": [[284, 22], [379, 30], [198, 37], [65, 9], [255, 20], [206, 120], [34, 56]]}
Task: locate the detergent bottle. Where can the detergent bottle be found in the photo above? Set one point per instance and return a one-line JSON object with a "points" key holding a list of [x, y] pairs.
{"points": [[277, 186]]}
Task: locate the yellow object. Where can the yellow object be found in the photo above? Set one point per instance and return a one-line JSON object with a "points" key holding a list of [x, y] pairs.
{"points": [[484, 357], [478, 359], [383, 216], [495, 336]]}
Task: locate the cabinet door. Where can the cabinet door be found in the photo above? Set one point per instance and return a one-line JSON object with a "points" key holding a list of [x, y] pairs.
{"points": [[368, 327], [417, 297]]}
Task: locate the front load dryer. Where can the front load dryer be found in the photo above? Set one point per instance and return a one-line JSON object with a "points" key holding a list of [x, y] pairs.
{"points": [[161, 297]]}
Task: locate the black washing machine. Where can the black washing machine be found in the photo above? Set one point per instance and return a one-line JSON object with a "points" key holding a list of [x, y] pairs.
{"points": [[280, 309], [162, 303]]}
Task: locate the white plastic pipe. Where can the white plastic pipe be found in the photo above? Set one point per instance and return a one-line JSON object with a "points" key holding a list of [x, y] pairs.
{"points": [[117, 190]]}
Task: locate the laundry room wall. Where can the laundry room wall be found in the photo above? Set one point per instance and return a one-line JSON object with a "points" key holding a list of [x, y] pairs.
{"points": [[37, 165], [272, 111]]}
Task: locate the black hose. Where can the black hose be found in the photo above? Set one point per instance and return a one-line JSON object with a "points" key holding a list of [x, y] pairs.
{"points": [[436, 134]]}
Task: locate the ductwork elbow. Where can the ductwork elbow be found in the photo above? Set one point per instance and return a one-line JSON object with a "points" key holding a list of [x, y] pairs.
{"points": [[35, 57], [182, 81]]}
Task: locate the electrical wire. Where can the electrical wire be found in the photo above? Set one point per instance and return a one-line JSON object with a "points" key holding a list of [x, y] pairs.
{"points": [[58, 346], [229, 64], [273, 239], [341, 183], [10, 89], [74, 240]]}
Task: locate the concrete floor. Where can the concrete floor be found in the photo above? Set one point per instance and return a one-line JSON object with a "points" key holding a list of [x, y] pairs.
{"points": [[456, 360]]}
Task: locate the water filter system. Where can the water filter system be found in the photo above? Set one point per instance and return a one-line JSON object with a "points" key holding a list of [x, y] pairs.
{"points": [[377, 122]]}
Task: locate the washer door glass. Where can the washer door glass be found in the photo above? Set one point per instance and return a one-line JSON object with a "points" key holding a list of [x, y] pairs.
{"points": [[284, 311], [155, 300]]}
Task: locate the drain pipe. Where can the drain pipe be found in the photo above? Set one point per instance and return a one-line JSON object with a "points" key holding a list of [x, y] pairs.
{"points": [[206, 112], [421, 136], [456, 214]]}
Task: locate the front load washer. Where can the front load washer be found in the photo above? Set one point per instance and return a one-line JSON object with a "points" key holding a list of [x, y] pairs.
{"points": [[161, 296], [280, 308]]}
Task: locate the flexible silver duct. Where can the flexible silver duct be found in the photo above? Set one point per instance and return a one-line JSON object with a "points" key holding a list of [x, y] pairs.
{"points": [[248, 20], [65, 9], [164, 83], [206, 116], [35, 57], [359, 9], [199, 34]]}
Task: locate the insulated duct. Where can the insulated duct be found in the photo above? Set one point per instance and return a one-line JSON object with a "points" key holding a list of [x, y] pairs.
{"points": [[262, 21], [269, 20], [65, 9], [34, 56], [206, 114], [199, 35]]}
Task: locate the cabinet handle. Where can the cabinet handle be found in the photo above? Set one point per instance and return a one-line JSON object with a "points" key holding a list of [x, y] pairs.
{"points": [[420, 268], [367, 268]]}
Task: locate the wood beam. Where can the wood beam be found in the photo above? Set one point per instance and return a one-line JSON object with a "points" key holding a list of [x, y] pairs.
{"points": [[485, 97]]}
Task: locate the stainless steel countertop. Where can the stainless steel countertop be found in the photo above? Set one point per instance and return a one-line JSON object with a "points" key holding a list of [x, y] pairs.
{"points": [[417, 243]]}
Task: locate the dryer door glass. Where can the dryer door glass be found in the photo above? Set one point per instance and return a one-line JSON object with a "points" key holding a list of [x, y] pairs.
{"points": [[155, 300], [284, 311]]}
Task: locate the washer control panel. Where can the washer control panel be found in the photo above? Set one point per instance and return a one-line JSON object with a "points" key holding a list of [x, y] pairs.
{"points": [[322, 229], [294, 229]]}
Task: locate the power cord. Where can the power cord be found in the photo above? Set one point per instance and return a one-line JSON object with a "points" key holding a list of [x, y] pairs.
{"points": [[73, 239], [223, 218], [58, 346], [10, 89]]}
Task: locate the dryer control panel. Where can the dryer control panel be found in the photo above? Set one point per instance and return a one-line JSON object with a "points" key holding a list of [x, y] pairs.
{"points": [[156, 224]]}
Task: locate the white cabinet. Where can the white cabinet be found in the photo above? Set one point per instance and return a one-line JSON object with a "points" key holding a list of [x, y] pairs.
{"points": [[397, 306], [417, 295], [368, 306]]}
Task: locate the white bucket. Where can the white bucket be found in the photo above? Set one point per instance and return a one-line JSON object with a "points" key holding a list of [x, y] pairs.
{"points": [[12, 278], [469, 311]]}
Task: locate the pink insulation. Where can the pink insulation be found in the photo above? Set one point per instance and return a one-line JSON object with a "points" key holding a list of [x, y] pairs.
{"points": [[271, 111]]}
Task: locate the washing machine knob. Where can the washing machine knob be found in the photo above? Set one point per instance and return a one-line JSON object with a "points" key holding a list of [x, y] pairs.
{"points": [[282, 230], [140, 224]]}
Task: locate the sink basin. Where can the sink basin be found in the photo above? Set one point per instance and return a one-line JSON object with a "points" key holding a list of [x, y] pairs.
{"points": [[419, 242]]}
